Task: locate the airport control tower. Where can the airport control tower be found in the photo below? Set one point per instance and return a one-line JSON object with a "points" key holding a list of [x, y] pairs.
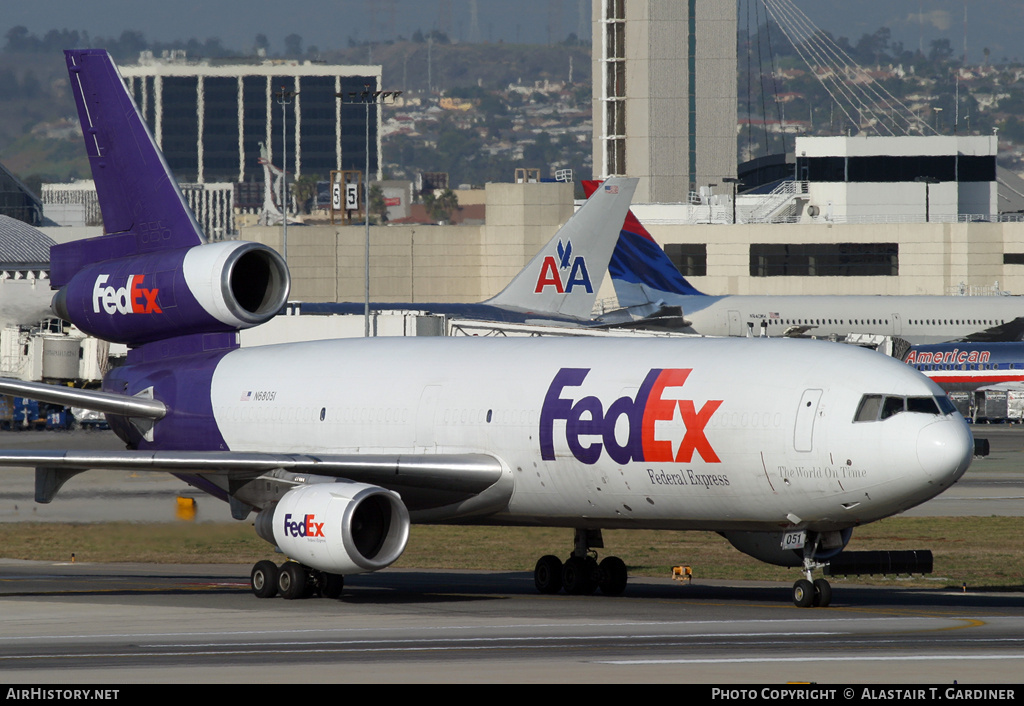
{"points": [[662, 111]]}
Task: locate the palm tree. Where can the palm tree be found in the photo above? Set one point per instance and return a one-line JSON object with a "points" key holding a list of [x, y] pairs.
{"points": [[440, 208]]}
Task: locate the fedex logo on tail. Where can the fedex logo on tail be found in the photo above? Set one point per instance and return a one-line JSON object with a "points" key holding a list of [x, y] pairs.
{"points": [[132, 298], [590, 427], [551, 272]]}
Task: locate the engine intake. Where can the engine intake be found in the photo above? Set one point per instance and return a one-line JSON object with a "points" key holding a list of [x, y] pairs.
{"points": [[340, 528]]}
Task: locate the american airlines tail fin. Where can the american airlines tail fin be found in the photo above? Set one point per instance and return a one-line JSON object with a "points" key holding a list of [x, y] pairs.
{"points": [[640, 270], [153, 276], [565, 276]]}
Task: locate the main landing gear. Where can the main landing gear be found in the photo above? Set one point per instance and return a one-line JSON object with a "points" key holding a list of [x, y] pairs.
{"points": [[293, 580], [581, 574], [808, 593]]}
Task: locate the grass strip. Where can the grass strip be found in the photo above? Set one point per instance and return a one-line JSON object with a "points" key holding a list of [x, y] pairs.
{"points": [[978, 551]]}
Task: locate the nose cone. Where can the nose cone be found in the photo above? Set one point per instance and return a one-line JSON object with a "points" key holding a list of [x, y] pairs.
{"points": [[944, 449]]}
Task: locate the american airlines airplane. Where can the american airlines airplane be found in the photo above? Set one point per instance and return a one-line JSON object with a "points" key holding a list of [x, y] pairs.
{"points": [[968, 366], [651, 288], [337, 446]]}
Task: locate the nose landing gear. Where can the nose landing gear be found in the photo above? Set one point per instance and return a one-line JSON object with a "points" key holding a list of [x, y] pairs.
{"points": [[808, 592]]}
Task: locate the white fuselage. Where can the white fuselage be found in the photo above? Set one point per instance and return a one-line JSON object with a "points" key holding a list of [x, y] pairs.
{"points": [[918, 319], [756, 434]]}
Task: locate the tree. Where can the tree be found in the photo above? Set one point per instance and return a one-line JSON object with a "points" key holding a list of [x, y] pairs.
{"points": [[304, 190], [19, 40], [941, 51], [440, 208], [378, 204], [293, 45]]}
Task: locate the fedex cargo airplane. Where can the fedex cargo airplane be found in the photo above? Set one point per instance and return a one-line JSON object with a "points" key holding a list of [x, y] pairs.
{"points": [[337, 446], [648, 285]]}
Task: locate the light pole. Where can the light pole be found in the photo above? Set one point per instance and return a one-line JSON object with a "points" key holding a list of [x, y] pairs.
{"points": [[284, 96], [735, 183], [367, 98], [711, 192], [927, 181]]}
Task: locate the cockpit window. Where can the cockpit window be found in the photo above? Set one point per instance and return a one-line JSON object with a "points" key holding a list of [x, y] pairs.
{"points": [[892, 406], [868, 410], [924, 405], [946, 404], [876, 407]]}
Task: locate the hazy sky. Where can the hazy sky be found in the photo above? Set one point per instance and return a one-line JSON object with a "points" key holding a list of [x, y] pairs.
{"points": [[325, 23], [995, 24]]}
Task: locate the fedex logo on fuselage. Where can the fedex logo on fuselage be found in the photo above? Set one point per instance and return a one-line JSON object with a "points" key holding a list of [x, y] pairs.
{"points": [[551, 272], [306, 527], [590, 427], [132, 298]]}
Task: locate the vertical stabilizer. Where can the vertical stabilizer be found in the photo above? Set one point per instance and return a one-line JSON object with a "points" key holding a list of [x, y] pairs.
{"points": [[152, 277], [143, 208], [565, 276], [640, 270]]}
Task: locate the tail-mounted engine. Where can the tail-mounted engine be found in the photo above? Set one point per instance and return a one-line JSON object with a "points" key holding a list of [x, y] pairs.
{"points": [[209, 288], [339, 528]]}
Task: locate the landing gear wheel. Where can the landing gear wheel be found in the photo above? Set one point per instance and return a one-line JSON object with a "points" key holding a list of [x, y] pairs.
{"points": [[803, 593], [547, 575], [578, 575], [293, 581], [263, 579], [822, 593], [613, 576], [331, 585]]}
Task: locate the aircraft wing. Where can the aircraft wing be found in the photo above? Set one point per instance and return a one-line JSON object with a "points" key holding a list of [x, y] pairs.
{"points": [[663, 317], [1009, 332], [425, 479], [465, 473]]}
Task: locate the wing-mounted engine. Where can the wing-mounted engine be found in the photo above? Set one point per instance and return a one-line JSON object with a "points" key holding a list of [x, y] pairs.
{"points": [[340, 528], [209, 288], [767, 546]]}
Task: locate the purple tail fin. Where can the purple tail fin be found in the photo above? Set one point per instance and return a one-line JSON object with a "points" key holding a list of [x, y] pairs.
{"points": [[152, 277], [143, 209]]}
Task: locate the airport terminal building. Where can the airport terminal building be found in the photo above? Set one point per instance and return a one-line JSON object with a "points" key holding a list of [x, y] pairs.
{"points": [[210, 119]]}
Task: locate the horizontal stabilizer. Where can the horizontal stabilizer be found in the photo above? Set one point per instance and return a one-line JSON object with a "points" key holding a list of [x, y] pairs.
{"points": [[1009, 332], [106, 402]]}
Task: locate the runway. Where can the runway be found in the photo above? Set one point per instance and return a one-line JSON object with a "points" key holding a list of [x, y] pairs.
{"points": [[126, 624], [122, 624]]}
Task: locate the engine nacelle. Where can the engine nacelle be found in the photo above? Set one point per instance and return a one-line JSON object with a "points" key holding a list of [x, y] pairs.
{"points": [[767, 546], [340, 528], [210, 288]]}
